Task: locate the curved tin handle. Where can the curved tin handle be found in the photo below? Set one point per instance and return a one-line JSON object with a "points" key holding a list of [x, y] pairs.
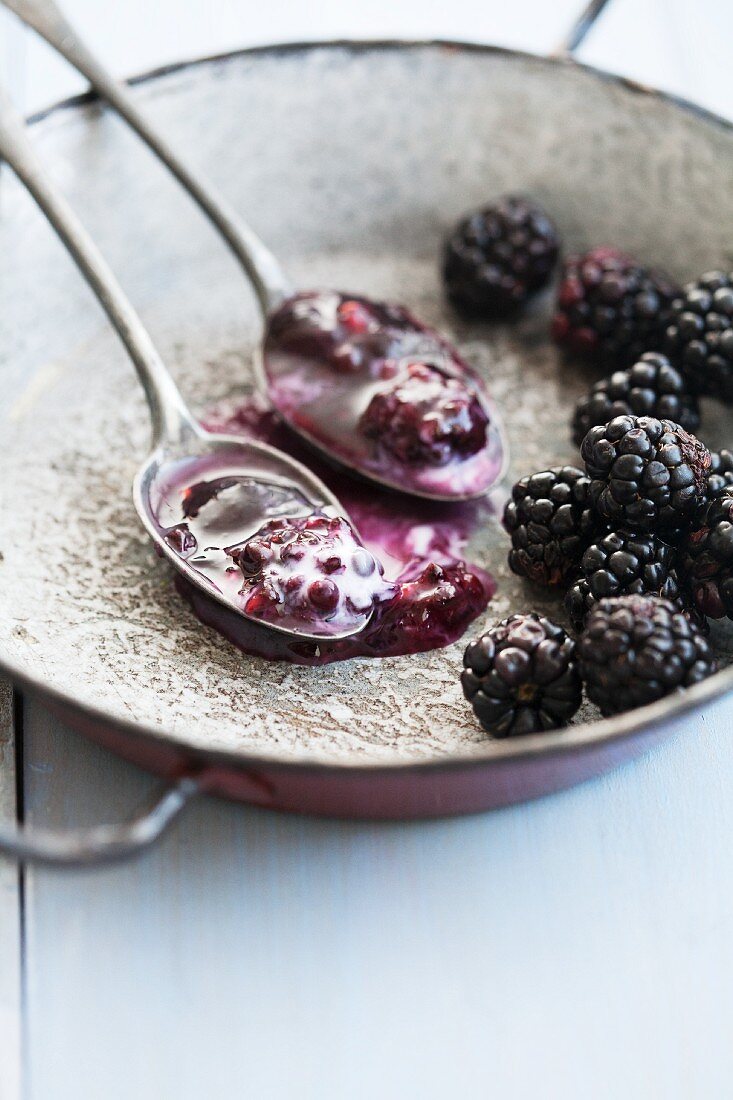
{"points": [[101, 843], [580, 28], [268, 278]]}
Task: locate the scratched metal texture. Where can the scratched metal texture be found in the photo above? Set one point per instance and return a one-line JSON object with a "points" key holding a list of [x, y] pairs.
{"points": [[352, 163]]}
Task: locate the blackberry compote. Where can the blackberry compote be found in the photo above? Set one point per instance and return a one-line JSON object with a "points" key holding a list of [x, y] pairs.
{"points": [[651, 387], [636, 649], [521, 676], [310, 569], [610, 309], [550, 522], [426, 417], [646, 474], [497, 257], [699, 335], [337, 368], [623, 563], [708, 560]]}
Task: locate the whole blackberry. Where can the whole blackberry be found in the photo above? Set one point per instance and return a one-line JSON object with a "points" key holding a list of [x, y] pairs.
{"points": [[720, 475], [647, 474], [651, 387], [550, 522], [621, 564], [521, 676], [707, 560], [427, 416], [636, 649], [498, 256], [611, 309], [699, 336]]}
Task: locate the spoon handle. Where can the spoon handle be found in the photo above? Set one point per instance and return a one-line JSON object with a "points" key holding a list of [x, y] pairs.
{"points": [[268, 278], [171, 419]]}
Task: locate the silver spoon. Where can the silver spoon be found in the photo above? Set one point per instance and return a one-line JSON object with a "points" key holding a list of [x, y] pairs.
{"points": [[236, 486], [336, 400]]}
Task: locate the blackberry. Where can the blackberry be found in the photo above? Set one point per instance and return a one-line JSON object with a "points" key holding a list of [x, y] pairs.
{"points": [[699, 336], [611, 309], [636, 649], [647, 474], [521, 676], [498, 256], [651, 387], [720, 475], [427, 416], [550, 522], [621, 564], [707, 560]]}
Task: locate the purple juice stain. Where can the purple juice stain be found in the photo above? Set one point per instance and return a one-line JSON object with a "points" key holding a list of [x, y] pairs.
{"points": [[382, 393]]}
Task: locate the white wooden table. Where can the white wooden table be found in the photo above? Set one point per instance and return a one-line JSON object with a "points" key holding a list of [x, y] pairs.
{"points": [[579, 946]]}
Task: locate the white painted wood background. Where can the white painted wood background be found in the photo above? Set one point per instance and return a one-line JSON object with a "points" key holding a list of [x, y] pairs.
{"points": [[578, 947]]}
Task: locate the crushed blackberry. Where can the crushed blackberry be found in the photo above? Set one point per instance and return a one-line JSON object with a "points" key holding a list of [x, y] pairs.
{"points": [[427, 416], [699, 335], [610, 309], [497, 257], [651, 387], [309, 569], [550, 523], [707, 560], [636, 649], [521, 676], [623, 563], [720, 475], [646, 474]]}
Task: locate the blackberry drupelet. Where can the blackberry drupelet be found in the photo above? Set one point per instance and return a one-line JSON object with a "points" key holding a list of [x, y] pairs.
{"points": [[611, 309], [699, 336], [550, 523], [621, 564], [646, 474], [498, 256], [720, 475], [636, 649], [521, 676], [651, 387], [707, 560]]}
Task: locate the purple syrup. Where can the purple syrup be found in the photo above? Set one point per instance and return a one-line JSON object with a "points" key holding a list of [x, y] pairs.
{"points": [[382, 393], [433, 597]]}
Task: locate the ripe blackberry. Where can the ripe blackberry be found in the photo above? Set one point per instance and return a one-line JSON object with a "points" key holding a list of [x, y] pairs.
{"points": [[699, 336], [521, 676], [647, 474], [610, 308], [720, 475], [636, 649], [651, 387], [707, 560], [498, 256], [550, 523], [427, 416], [621, 564]]}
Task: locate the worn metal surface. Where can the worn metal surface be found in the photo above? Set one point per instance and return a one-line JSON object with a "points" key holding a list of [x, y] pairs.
{"points": [[351, 163]]}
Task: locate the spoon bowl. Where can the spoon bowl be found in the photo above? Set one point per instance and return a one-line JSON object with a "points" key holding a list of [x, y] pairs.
{"points": [[238, 489]]}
